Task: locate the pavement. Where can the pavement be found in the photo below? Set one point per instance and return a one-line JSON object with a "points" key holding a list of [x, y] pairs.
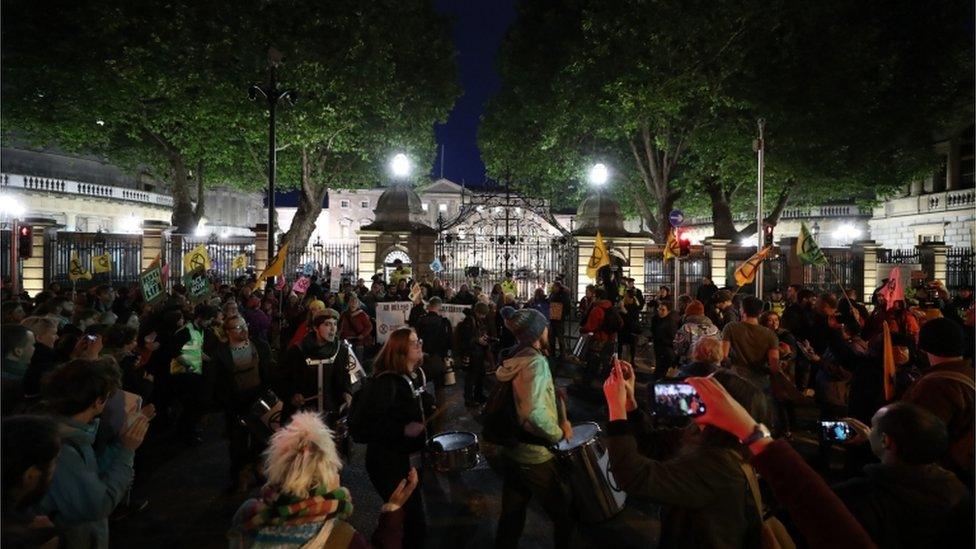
{"points": [[189, 505]]}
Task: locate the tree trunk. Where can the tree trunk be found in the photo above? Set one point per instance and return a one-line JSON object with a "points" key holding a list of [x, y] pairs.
{"points": [[201, 203], [184, 218], [309, 206], [772, 218], [723, 224]]}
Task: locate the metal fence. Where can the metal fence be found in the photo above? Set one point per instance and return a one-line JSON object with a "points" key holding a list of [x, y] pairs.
{"points": [[534, 261], [843, 265], [776, 272], [658, 272], [909, 256], [222, 252], [960, 268], [319, 258], [5, 254], [124, 250]]}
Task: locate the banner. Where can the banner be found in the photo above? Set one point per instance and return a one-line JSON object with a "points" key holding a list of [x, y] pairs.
{"points": [[391, 315], [76, 270], [746, 272], [671, 248], [102, 263], [894, 288], [301, 285], [335, 279], [599, 258], [196, 259], [240, 262], [807, 249], [151, 283], [277, 264]]}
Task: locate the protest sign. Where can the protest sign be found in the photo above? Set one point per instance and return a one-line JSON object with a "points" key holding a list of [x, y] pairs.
{"points": [[151, 283], [301, 285]]}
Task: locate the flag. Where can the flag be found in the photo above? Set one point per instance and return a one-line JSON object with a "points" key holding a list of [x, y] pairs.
{"points": [[889, 365], [240, 262], [196, 259], [164, 270], [301, 285], [102, 263], [671, 249], [76, 270], [436, 265], [746, 272], [277, 265], [893, 290], [807, 249], [309, 268], [599, 258]]}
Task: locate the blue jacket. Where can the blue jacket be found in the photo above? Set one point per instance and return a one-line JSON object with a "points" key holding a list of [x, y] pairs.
{"points": [[81, 499]]}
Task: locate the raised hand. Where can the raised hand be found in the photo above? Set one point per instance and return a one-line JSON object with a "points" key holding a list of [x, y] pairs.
{"points": [[721, 410], [615, 391], [403, 491]]}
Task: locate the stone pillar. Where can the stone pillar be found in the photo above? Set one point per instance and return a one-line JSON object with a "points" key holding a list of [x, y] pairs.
{"points": [[869, 276], [260, 247], [934, 258], [717, 250], [153, 241], [369, 263], [585, 246], [787, 246], [635, 256], [35, 270]]}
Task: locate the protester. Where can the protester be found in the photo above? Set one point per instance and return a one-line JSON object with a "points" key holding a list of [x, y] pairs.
{"points": [[356, 327], [907, 500], [529, 469], [435, 331], [475, 335], [752, 350], [12, 312], [301, 381], [694, 327], [706, 290], [720, 309], [704, 359], [31, 446], [559, 316], [44, 359], [947, 389], [303, 504], [186, 366], [630, 308], [390, 420], [84, 492], [703, 487], [664, 328], [258, 322]]}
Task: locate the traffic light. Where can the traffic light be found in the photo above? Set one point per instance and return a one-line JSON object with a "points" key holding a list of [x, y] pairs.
{"points": [[25, 242], [684, 245], [767, 235]]}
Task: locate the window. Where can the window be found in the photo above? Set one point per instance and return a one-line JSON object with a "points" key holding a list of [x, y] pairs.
{"points": [[343, 203], [442, 208], [425, 206], [364, 204]]}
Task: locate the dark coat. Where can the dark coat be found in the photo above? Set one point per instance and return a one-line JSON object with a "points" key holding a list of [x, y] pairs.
{"points": [[388, 406], [226, 391], [300, 378], [909, 506]]}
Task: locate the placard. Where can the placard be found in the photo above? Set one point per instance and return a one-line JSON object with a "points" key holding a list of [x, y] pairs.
{"points": [[151, 283]]}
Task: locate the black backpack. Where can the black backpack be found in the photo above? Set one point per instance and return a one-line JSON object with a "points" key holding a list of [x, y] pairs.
{"points": [[360, 420], [500, 421], [613, 321]]}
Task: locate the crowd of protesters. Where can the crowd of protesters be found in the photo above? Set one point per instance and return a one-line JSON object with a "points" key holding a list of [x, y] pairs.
{"points": [[89, 375]]}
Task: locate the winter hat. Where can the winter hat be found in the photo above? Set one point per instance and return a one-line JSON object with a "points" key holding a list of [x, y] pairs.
{"points": [[941, 337], [481, 308], [695, 308], [507, 312], [316, 305], [527, 325]]}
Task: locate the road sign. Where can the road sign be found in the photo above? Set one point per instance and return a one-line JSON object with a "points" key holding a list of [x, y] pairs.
{"points": [[677, 217]]}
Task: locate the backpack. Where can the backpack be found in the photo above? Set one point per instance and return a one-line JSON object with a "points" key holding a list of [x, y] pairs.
{"points": [[613, 322], [501, 425], [360, 421]]}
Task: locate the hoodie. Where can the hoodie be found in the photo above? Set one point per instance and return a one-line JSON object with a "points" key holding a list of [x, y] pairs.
{"points": [[535, 403], [594, 321], [81, 498], [908, 506]]}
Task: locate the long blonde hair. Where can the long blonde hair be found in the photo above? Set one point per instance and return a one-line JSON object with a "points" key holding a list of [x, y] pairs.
{"points": [[302, 455]]}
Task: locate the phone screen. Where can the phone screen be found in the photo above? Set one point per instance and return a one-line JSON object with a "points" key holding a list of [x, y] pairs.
{"points": [[677, 399], [838, 431]]}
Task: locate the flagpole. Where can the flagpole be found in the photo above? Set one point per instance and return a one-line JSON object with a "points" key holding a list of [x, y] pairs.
{"points": [[843, 290], [760, 151]]}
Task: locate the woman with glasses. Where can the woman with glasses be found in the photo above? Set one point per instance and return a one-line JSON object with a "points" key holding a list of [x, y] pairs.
{"points": [[390, 419], [241, 366]]}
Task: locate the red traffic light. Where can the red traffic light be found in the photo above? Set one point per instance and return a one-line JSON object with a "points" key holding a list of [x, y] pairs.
{"points": [[25, 231], [684, 244], [25, 242]]}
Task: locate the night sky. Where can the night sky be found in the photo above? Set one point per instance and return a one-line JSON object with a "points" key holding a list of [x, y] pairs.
{"points": [[479, 26]]}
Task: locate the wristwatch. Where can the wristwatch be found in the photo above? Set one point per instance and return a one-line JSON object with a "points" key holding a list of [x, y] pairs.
{"points": [[759, 433]]}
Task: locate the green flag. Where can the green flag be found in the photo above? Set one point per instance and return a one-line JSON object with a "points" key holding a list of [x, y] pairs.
{"points": [[807, 249]]}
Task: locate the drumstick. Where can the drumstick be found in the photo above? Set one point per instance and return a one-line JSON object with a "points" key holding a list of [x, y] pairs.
{"points": [[436, 413], [562, 407]]}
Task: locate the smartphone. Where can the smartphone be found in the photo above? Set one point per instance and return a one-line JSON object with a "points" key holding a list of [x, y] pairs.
{"points": [[677, 400], [91, 338], [836, 431]]}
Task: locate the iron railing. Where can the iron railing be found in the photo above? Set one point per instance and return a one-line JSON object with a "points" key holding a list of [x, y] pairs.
{"points": [[124, 250]]}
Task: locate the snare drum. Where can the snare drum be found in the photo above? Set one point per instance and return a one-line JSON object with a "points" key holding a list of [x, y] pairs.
{"points": [[265, 415], [584, 458], [453, 452]]}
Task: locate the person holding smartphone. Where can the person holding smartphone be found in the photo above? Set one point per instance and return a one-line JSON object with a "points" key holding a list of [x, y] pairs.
{"points": [[703, 486]]}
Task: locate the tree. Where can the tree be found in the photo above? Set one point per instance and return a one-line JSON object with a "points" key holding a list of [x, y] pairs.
{"points": [[163, 88], [669, 92]]}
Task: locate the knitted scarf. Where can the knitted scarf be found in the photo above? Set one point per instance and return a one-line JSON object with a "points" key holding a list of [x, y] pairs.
{"points": [[276, 509]]}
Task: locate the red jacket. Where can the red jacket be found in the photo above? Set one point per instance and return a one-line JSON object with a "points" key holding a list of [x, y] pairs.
{"points": [[356, 327], [594, 322]]}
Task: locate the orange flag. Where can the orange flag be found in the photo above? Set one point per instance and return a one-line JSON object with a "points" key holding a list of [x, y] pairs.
{"points": [[889, 365], [671, 249]]}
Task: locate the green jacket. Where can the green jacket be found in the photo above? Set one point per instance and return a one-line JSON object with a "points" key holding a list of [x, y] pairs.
{"points": [[535, 403]]}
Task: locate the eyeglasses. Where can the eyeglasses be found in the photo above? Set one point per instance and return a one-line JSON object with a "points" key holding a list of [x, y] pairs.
{"points": [[418, 343], [237, 327]]}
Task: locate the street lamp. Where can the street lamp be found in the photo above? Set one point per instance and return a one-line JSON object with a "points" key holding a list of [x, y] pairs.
{"points": [[599, 175], [272, 95], [400, 166]]}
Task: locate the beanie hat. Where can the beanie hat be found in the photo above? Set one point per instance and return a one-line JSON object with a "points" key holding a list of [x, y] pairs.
{"points": [[507, 312], [481, 308], [316, 304], [331, 313], [941, 337], [527, 325], [695, 308]]}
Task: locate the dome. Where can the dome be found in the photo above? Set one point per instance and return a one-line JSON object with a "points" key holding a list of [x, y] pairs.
{"points": [[399, 208], [600, 212]]}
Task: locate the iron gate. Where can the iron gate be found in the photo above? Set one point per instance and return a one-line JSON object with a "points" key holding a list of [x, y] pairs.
{"points": [[124, 250], [658, 272], [321, 257]]}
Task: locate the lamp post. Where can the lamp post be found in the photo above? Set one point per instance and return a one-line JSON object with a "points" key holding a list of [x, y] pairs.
{"points": [[760, 153], [272, 95]]}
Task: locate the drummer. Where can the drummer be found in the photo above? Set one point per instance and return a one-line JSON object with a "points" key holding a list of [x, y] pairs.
{"points": [[242, 369], [529, 468], [301, 380]]}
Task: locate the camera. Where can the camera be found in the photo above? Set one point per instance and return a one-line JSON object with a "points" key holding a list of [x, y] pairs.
{"points": [[677, 400], [835, 431]]}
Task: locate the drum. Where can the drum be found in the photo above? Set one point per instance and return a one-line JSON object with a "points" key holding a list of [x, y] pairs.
{"points": [[453, 452], [582, 345], [586, 463], [265, 415]]}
